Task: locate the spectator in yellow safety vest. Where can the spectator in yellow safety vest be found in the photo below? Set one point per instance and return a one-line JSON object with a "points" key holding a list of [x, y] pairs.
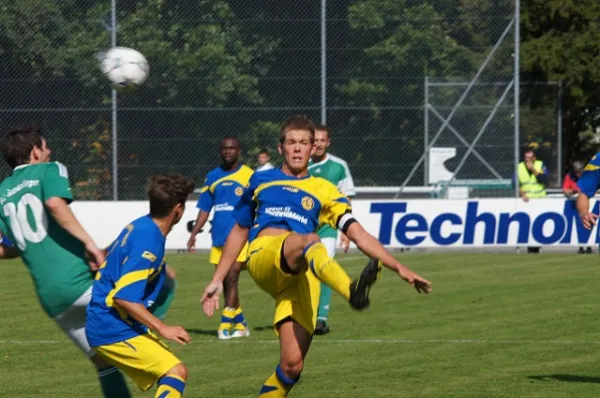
{"points": [[532, 175]]}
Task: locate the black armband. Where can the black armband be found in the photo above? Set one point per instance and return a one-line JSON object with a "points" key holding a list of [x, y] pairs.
{"points": [[345, 221]]}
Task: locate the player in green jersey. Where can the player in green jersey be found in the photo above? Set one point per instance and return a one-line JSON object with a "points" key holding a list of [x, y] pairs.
{"points": [[59, 254], [336, 171]]}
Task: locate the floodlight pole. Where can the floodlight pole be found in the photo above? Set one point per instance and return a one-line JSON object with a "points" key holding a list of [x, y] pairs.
{"points": [[323, 61], [517, 87], [113, 42]]}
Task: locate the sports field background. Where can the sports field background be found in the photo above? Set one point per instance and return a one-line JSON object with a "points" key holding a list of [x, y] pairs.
{"points": [[496, 325]]}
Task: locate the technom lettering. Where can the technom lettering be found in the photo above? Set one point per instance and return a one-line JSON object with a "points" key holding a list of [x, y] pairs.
{"points": [[455, 228]]}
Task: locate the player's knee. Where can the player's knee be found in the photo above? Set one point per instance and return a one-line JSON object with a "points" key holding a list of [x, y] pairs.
{"points": [[179, 370], [292, 367], [312, 238], [308, 240]]}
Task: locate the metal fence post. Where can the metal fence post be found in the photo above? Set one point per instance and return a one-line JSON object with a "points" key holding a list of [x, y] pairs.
{"points": [[113, 42]]}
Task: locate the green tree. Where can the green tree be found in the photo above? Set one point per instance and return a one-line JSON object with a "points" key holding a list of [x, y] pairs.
{"points": [[199, 63], [561, 42]]}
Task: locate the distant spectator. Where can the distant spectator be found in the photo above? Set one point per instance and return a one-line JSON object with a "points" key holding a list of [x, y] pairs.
{"points": [[569, 185], [571, 189], [532, 176], [264, 159]]}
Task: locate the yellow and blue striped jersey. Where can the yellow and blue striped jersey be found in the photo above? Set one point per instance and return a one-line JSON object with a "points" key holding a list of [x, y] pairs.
{"points": [[134, 271], [222, 190], [301, 205], [589, 182]]}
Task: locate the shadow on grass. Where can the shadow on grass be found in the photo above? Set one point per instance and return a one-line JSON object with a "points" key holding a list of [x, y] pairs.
{"points": [[567, 378], [203, 332], [263, 328]]}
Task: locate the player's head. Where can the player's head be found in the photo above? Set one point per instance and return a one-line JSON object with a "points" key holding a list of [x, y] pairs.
{"points": [[529, 155], [25, 145], [322, 140], [167, 194], [263, 157], [230, 150], [297, 143]]}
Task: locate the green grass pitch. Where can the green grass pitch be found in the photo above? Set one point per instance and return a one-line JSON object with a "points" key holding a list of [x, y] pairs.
{"points": [[496, 325]]}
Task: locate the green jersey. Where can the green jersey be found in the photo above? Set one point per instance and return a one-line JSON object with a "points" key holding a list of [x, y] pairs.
{"points": [[336, 171], [55, 259]]}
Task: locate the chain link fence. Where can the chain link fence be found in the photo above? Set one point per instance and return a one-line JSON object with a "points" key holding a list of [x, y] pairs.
{"points": [[225, 67]]}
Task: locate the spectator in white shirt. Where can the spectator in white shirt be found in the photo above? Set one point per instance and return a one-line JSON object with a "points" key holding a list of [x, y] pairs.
{"points": [[264, 161]]}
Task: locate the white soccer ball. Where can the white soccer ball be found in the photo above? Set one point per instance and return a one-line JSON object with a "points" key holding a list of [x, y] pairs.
{"points": [[125, 67]]}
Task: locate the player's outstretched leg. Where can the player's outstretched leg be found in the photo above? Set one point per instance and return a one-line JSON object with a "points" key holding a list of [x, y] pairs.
{"points": [[112, 382], [331, 272], [172, 384], [294, 342], [233, 324]]}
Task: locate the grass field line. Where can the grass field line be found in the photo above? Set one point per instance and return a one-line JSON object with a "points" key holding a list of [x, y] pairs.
{"points": [[353, 341]]}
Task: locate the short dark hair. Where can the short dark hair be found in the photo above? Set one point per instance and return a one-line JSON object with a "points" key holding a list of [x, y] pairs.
{"points": [[18, 143], [230, 137], [265, 151], [529, 150], [299, 122], [324, 128], [165, 191]]}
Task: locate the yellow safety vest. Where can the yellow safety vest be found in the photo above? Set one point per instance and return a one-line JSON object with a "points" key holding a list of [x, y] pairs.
{"points": [[528, 181]]}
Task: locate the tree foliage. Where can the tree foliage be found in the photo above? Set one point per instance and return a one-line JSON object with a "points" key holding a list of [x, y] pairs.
{"points": [[224, 67]]}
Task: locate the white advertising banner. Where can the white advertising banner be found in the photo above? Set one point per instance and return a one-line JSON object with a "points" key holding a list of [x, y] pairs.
{"points": [[406, 223]]}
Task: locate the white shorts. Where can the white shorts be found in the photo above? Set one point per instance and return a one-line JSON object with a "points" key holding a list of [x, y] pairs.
{"points": [[330, 245], [72, 322]]}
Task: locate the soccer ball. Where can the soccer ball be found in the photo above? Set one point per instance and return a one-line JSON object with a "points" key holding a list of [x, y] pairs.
{"points": [[125, 68]]}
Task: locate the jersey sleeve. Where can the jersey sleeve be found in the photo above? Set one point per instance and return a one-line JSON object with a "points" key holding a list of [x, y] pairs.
{"points": [[244, 209], [206, 200], [346, 183], [55, 182], [334, 208], [137, 269], [589, 181]]}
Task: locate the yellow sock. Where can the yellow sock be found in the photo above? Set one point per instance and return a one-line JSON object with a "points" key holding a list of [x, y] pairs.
{"points": [[276, 386], [327, 269], [170, 386]]}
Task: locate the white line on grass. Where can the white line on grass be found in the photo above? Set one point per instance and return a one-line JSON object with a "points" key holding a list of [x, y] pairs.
{"points": [[353, 341]]}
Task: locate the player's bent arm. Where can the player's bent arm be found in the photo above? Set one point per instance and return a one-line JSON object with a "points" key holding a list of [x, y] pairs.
{"points": [[141, 314], [62, 213], [369, 245], [200, 221], [234, 244], [583, 209], [582, 204]]}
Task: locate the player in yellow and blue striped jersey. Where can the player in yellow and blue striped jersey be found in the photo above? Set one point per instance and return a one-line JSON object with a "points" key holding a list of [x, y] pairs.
{"points": [[221, 191], [119, 327], [588, 184], [278, 214]]}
